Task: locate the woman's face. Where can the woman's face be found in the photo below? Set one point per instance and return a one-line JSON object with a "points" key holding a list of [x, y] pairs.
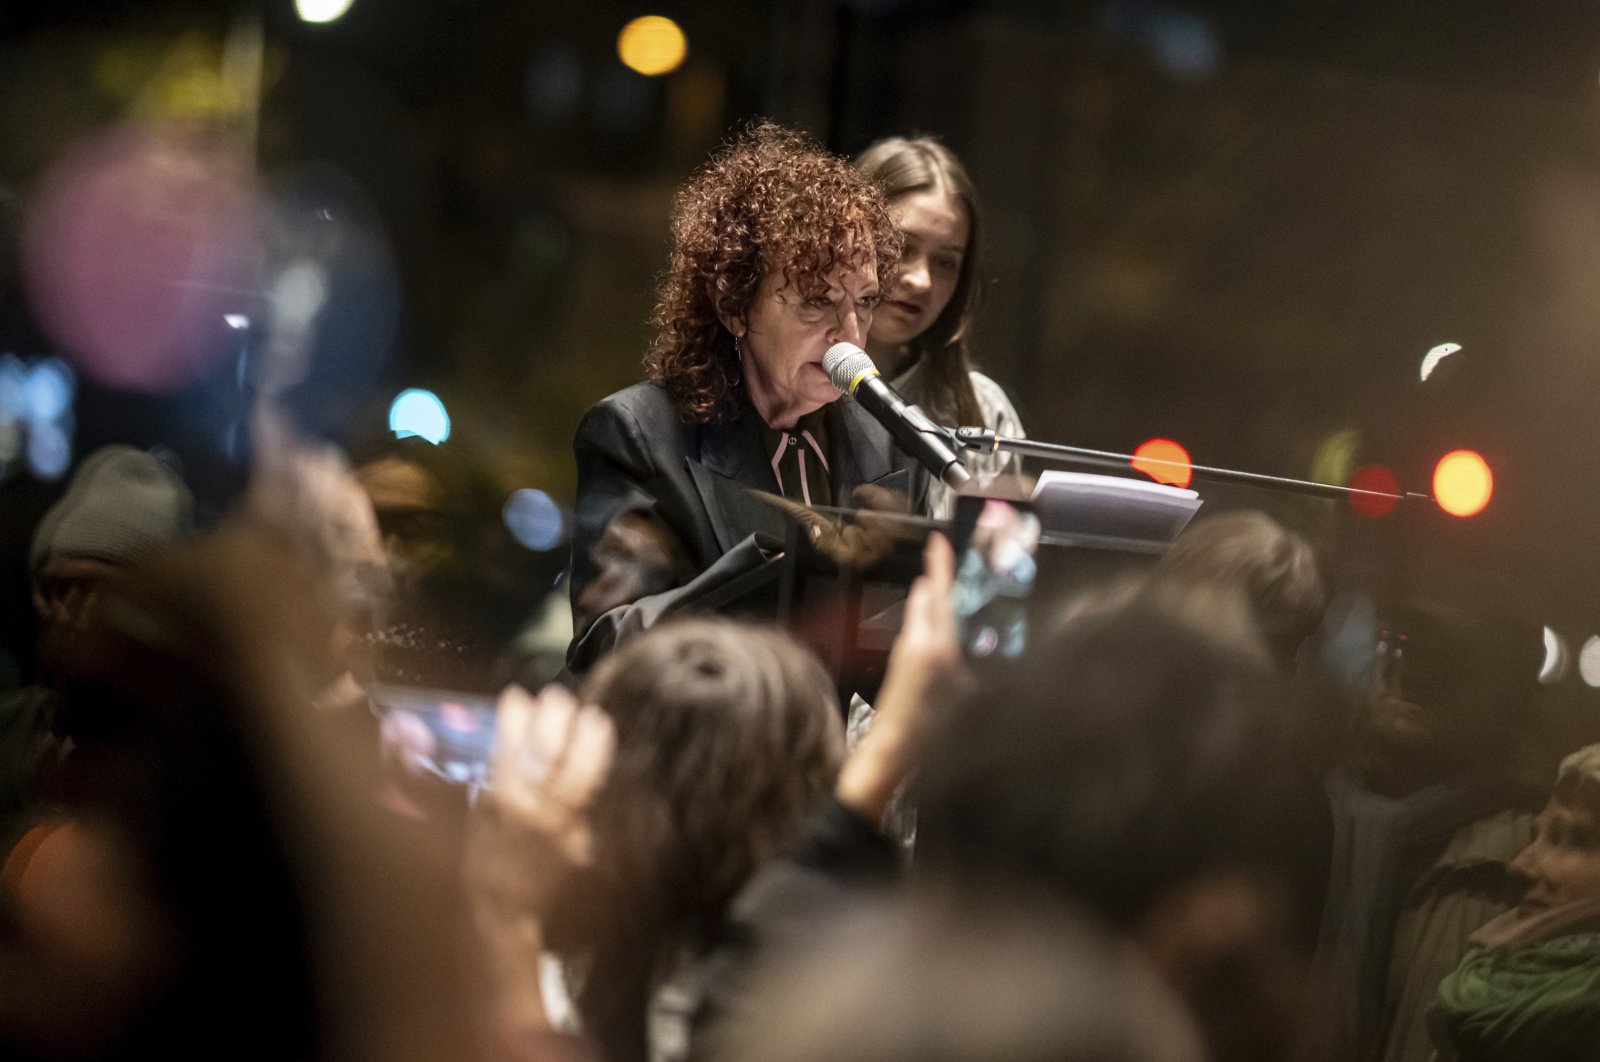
{"points": [[785, 334], [1562, 862], [936, 228]]}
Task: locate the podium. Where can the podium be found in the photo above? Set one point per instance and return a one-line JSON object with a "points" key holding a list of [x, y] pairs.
{"points": [[850, 612]]}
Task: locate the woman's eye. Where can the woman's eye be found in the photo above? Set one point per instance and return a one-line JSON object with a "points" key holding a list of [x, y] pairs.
{"points": [[947, 265], [870, 302]]}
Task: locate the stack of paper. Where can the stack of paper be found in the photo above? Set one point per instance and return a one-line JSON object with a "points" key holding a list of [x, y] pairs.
{"points": [[1082, 503]]}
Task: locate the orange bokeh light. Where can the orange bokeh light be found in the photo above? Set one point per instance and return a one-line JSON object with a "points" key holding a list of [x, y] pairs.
{"points": [[1374, 478], [1462, 483], [1164, 461]]}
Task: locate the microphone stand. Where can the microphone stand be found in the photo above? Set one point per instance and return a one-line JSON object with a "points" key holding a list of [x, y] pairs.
{"points": [[984, 440]]}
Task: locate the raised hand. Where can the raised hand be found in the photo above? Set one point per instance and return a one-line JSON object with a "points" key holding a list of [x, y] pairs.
{"points": [[926, 675], [532, 827]]}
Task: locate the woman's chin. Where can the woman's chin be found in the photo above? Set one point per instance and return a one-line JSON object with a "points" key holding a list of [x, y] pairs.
{"points": [[797, 405], [891, 334], [820, 397]]}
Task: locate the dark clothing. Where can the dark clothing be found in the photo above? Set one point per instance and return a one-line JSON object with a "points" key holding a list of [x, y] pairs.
{"points": [[799, 458], [696, 488], [1382, 848], [840, 862], [29, 746], [1470, 884]]}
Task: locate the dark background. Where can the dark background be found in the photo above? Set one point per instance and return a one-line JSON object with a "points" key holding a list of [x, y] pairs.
{"points": [[1236, 224]]}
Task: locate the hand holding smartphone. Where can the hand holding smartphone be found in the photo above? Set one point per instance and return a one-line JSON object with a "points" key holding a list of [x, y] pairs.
{"points": [[997, 546], [448, 734]]}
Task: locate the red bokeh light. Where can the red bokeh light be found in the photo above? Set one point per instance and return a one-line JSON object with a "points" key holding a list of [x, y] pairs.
{"points": [[1374, 478]]}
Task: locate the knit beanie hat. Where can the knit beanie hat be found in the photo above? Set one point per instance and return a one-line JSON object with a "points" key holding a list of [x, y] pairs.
{"points": [[121, 504]]}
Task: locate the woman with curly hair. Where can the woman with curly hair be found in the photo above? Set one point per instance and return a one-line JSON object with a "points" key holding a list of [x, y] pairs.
{"points": [[777, 252], [921, 337]]}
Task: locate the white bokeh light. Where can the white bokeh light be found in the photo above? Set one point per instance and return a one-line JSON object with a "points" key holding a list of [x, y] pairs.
{"points": [[321, 10], [1589, 662], [534, 519], [49, 390], [1431, 360], [1557, 658], [49, 451], [420, 413]]}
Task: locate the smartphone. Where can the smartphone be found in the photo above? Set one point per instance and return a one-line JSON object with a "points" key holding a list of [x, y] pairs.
{"points": [[997, 548], [446, 733]]}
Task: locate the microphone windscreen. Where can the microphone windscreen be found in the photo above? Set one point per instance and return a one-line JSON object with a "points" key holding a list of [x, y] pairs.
{"points": [[844, 363]]}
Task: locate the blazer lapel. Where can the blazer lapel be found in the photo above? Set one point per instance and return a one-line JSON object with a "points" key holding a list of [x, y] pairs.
{"points": [[727, 473], [863, 452]]}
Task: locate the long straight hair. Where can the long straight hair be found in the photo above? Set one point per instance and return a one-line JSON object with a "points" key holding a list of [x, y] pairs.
{"points": [[904, 166]]}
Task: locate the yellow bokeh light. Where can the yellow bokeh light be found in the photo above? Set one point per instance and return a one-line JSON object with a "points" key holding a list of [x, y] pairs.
{"points": [[1462, 483], [652, 45]]}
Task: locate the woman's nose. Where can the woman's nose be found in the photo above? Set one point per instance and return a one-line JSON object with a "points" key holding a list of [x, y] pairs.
{"points": [[914, 275], [850, 326], [1526, 863]]}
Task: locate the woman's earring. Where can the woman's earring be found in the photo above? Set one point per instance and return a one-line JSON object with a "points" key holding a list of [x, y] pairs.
{"points": [[738, 363]]}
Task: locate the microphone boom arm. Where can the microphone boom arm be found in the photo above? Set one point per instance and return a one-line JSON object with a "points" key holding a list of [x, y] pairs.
{"points": [[956, 475], [984, 440]]}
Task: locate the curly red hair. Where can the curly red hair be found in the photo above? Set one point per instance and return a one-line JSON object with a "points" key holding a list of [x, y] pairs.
{"points": [[773, 199]]}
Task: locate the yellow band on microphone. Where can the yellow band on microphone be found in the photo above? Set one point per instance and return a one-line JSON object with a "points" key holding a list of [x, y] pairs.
{"points": [[862, 375]]}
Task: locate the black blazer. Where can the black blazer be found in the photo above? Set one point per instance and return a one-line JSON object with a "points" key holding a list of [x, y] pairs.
{"points": [[637, 455]]}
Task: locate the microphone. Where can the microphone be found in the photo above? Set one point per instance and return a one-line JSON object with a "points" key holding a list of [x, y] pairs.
{"points": [[851, 371]]}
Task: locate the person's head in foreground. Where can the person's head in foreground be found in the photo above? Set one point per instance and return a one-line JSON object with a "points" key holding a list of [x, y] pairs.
{"points": [[1451, 689], [215, 880], [121, 505], [1275, 568], [937, 981], [1530, 986], [727, 738], [1135, 763], [1562, 862]]}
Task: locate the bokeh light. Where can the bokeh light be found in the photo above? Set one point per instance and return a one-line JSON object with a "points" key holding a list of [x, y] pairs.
{"points": [[1375, 478], [13, 388], [1164, 461], [1431, 360], [49, 450], [1181, 41], [1557, 658], [136, 247], [652, 45], [330, 307], [534, 519], [1589, 661], [48, 391], [419, 412], [1336, 456], [321, 10], [1463, 483]]}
